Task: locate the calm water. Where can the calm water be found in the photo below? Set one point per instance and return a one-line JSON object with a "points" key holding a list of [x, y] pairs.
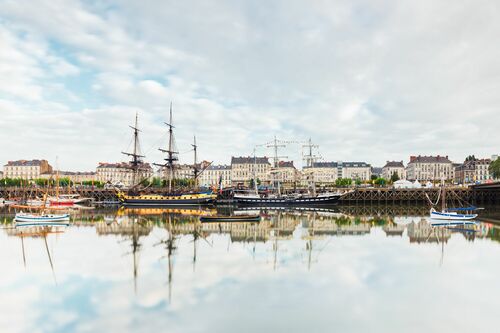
{"points": [[350, 270]]}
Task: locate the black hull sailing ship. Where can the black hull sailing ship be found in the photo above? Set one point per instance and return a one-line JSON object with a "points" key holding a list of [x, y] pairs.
{"points": [[319, 200], [277, 199], [168, 199]]}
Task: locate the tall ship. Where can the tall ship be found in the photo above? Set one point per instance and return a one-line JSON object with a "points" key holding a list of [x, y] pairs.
{"points": [[171, 198], [278, 199]]}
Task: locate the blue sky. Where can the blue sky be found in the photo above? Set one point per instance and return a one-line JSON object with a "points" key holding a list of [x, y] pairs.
{"points": [[367, 80]]}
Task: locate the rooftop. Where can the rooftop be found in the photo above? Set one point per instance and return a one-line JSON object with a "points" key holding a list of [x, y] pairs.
{"points": [[121, 165], [429, 159], [249, 160], [26, 163], [394, 164]]}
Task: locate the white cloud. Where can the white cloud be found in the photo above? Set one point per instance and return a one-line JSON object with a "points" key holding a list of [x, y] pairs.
{"points": [[367, 80]]}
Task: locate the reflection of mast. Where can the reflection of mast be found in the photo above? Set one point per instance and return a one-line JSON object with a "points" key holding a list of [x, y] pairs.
{"points": [[135, 249], [170, 252], [171, 153], [136, 153], [22, 245], [50, 258]]}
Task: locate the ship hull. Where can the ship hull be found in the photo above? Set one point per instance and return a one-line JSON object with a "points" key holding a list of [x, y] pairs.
{"points": [[287, 202], [166, 202]]}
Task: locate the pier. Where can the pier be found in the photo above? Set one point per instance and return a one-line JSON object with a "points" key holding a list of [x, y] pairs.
{"points": [[479, 194]]}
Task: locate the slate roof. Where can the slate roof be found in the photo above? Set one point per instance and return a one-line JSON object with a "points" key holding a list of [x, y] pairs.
{"points": [[25, 163], [249, 160], [429, 159], [394, 164]]}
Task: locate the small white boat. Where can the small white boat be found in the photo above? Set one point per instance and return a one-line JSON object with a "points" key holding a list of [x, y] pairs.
{"points": [[447, 215], [29, 219]]}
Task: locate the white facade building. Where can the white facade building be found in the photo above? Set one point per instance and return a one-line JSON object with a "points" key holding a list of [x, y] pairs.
{"points": [[392, 167], [122, 173], [25, 169], [429, 168], [243, 169]]}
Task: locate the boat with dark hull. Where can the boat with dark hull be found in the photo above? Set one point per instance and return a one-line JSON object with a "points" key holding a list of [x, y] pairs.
{"points": [[149, 200], [319, 200], [232, 218]]}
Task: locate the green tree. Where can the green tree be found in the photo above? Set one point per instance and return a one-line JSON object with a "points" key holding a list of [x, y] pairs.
{"points": [[380, 181], [470, 158], [343, 181], [394, 177], [494, 168]]}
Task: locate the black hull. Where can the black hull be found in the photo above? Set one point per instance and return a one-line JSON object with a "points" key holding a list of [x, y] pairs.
{"points": [[230, 218], [166, 202], [285, 202]]}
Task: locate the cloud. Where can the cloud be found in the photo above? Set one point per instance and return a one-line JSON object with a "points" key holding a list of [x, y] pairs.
{"points": [[366, 80]]}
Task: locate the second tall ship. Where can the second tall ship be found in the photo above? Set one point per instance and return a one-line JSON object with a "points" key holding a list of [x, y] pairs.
{"points": [[170, 198]]}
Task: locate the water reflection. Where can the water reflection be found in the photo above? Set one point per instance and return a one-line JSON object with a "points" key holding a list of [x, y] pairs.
{"points": [[162, 268]]}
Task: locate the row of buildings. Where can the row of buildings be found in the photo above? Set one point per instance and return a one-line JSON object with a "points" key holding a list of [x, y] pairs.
{"points": [[243, 170]]}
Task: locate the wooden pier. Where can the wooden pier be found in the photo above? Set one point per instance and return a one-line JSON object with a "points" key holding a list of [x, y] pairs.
{"points": [[477, 195]]}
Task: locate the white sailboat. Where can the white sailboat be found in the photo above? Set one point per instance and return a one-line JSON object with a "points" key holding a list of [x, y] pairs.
{"points": [[451, 216]]}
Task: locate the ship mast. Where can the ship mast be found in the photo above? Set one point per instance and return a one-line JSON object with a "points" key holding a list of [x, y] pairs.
{"points": [[195, 165], [309, 160], [275, 145], [171, 153], [136, 153]]}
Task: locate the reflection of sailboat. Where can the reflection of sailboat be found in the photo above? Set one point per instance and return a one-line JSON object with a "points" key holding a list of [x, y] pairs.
{"points": [[36, 232]]}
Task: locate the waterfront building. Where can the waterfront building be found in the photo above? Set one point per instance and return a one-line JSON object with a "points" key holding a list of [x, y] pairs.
{"points": [[356, 170], [429, 168], [286, 173], [242, 170], [392, 167], [212, 175], [473, 171], [181, 171], [75, 177], [329, 172], [26, 169], [122, 173], [1, 174]]}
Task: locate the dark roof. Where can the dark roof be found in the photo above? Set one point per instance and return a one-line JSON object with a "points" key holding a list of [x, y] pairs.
{"points": [[376, 170], [25, 163], [325, 165], [124, 165], [429, 159], [394, 164], [249, 160], [286, 164], [355, 164], [219, 167], [340, 164]]}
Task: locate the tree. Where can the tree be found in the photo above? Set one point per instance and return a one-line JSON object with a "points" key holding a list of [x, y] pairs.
{"points": [[380, 181], [343, 181], [494, 168], [394, 177], [470, 158]]}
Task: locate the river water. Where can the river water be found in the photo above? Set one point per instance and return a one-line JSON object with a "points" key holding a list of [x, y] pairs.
{"points": [[348, 269]]}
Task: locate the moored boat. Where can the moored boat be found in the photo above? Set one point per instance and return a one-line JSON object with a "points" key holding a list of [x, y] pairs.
{"points": [[166, 200], [233, 218], [307, 200], [450, 215], [29, 219]]}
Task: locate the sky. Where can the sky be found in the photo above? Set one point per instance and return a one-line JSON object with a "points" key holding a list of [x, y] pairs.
{"points": [[366, 80]]}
